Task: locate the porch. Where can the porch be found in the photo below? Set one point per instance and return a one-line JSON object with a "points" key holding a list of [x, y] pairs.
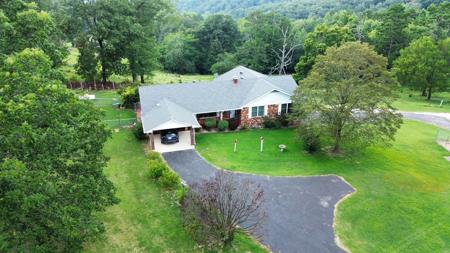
{"points": [[232, 116]]}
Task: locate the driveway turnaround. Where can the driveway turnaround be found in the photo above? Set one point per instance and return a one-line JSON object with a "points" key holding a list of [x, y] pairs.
{"points": [[300, 210]]}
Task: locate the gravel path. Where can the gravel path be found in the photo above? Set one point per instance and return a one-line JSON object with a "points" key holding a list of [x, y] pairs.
{"points": [[300, 210]]}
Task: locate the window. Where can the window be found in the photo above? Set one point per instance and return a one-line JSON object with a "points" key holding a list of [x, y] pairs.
{"points": [[206, 115], [284, 108], [257, 111], [232, 114]]}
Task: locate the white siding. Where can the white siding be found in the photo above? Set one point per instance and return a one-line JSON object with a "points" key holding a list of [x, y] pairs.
{"points": [[273, 98], [170, 125]]}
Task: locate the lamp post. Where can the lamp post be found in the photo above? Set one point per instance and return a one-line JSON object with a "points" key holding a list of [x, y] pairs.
{"points": [[262, 143]]}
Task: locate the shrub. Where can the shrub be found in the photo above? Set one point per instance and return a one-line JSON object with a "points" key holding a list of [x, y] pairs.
{"points": [[154, 156], [268, 122], [169, 179], [283, 120], [180, 193], [214, 209], [130, 96], [210, 123], [157, 169], [138, 131], [223, 125], [310, 138]]}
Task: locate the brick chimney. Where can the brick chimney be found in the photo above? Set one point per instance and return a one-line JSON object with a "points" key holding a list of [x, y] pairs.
{"points": [[235, 79]]}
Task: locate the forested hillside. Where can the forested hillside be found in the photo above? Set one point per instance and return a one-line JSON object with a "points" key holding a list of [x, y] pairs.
{"points": [[291, 8]]}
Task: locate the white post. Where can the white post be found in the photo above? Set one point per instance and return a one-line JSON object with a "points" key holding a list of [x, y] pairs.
{"points": [[262, 143], [235, 145]]}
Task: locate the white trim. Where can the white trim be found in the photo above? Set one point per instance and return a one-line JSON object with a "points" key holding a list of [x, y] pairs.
{"points": [[287, 108], [174, 121], [265, 94]]}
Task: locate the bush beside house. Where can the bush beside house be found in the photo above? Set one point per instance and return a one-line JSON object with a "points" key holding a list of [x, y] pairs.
{"points": [[223, 125]]}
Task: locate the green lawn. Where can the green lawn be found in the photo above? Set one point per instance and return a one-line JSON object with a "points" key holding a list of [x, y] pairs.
{"points": [[113, 116], [402, 203], [417, 103], [147, 219]]}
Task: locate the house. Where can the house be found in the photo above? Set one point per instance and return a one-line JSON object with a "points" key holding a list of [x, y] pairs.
{"points": [[241, 96]]}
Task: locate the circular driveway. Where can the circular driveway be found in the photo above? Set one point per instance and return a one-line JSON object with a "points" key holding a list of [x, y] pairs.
{"points": [[300, 210]]}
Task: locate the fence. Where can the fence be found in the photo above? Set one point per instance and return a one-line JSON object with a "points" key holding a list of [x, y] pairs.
{"points": [[95, 86], [113, 123]]}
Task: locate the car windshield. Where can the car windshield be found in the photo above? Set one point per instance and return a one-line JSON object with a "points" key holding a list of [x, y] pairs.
{"points": [[171, 135]]}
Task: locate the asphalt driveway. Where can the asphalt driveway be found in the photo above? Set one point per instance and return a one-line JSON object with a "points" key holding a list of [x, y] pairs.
{"points": [[437, 119], [300, 210]]}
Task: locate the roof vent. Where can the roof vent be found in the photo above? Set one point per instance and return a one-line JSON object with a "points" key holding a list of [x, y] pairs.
{"points": [[235, 79], [158, 104]]}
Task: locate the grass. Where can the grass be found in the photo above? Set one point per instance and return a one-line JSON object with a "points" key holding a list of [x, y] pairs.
{"points": [[158, 77], [413, 101], [113, 116], [402, 203], [147, 219]]}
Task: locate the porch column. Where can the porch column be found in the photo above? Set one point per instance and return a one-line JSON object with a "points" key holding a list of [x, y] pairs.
{"points": [[151, 141], [221, 115], [192, 136]]}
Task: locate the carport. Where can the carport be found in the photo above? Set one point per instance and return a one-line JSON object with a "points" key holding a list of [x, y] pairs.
{"points": [[186, 138], [164, 116]]}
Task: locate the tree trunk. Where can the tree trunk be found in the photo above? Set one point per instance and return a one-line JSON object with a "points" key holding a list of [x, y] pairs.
{"points": [[142, 79], [104, 76], [134, 76], [337, 141], [424, 92], [429, 94]]}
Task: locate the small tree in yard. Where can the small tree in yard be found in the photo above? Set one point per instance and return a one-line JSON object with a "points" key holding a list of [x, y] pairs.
{"points": [[348, 96], [215, 209]]}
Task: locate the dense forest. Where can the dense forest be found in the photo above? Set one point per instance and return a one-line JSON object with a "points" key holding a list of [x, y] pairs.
{"points": [[291, 8], [135, 38]]}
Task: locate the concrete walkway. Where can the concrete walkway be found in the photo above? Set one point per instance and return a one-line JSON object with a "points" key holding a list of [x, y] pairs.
{"points": [[300, 210], [437, 119]]}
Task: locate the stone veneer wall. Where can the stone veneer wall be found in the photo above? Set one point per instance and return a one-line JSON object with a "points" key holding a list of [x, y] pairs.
{"points": [[272, 112]]}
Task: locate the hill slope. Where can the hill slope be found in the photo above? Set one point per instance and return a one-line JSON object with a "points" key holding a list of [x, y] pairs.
{"points": [[291, 8]]}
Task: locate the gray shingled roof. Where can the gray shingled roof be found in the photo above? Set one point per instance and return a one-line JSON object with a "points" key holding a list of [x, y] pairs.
{"points": [[241, 72], [204, 97], [167, 111]]}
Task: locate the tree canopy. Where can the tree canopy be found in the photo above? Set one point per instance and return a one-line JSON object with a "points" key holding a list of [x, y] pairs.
{"points": [[51, 162], [424, 65], [347, 97]]}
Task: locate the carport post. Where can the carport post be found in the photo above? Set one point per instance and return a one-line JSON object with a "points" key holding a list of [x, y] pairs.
{"points": [[151, 141], [192, 136]]}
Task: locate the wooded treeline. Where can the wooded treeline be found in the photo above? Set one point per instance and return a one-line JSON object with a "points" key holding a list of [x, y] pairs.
{"points": [[298, 9], [136, 37]]}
